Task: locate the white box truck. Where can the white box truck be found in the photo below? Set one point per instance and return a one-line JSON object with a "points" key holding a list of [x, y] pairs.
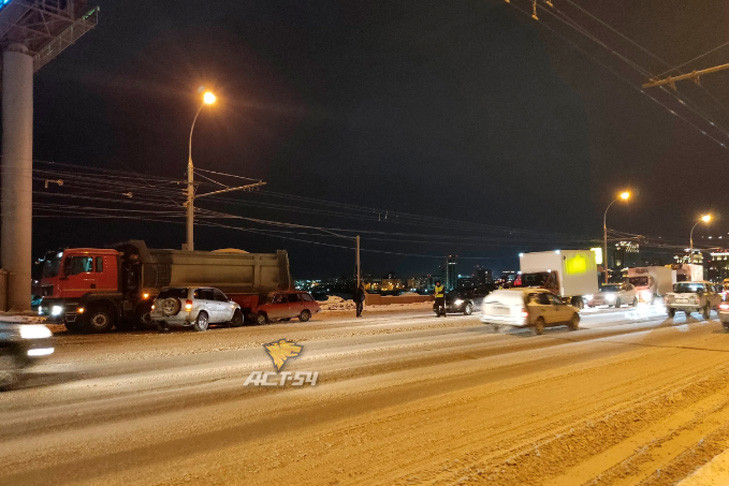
{"points": [[571, 274], [688, 272], [651, 282]]}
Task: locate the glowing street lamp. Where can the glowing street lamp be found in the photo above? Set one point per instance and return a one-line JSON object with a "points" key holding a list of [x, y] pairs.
{"points": [[208, 98], [623, 196], [706, 218]]}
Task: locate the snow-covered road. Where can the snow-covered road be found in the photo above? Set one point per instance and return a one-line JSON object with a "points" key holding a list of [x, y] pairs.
{"points": [[632, 397]]}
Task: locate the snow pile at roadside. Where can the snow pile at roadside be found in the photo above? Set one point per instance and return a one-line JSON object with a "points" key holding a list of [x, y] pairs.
{"points": [[22, 318], [335, 302]]}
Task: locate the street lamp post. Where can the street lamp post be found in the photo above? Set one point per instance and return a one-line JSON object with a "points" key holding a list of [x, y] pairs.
{"points": [[623, 196], [703, 219], [208, 99]]}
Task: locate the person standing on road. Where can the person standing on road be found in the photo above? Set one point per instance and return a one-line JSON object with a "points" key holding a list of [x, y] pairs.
{"points": [[439, 294], [359, 298]]}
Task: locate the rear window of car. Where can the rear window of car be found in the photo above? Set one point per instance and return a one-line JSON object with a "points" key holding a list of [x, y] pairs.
{"points": [[504, 297], [180, 293], [204, 294], [688, 287], [306, 297]]}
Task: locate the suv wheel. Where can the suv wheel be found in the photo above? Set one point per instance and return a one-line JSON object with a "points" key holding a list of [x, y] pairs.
{"points": [[539, 326], [201, 323], [574, 323], [170, 306], [671, 312], [468, 310], [305, 315], [237, 319], [618, 303], [706, 312]]}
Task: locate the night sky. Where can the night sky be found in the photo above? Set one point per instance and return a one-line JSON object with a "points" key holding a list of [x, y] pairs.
{"points": [[459, 111]]}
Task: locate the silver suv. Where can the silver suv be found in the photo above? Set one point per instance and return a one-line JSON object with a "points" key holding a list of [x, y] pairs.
{"points": [[194, 306], [693, 297]]}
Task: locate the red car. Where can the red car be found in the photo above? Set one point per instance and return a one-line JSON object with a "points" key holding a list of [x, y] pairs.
{"points": [[278, 306]]}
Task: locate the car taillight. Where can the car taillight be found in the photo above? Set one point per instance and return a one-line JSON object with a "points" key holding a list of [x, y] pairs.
{"points": [[188, 305], [524, 314], [724, 306]]}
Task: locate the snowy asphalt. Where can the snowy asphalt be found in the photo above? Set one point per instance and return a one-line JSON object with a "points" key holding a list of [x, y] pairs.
{"points": [[405, 398]]}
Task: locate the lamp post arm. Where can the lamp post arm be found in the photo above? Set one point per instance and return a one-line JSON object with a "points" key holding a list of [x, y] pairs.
{"points": [[192, 128], [691, 238]]}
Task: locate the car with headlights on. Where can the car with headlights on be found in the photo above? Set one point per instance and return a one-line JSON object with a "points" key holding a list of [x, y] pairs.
{"points": [[691, 297], [195, 307], [723, 312], [614, 295], [458, 302], [21, 345], [528, 307]]}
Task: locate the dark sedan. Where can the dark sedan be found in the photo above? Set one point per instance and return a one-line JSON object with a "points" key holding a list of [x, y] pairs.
{"points": [[20, 346], [458, 303]]}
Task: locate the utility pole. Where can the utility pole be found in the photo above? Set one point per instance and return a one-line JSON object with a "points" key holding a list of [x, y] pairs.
{"points": [[694, 75]]}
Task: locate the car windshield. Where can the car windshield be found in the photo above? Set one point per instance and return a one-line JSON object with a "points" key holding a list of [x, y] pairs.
{"points": [[178, 293], [531, 279], [609, 287], [688, 287], [639, 281]]}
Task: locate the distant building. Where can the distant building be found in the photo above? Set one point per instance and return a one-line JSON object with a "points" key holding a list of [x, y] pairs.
{"points": [[483, 276], [451, 276], [625, 254]]}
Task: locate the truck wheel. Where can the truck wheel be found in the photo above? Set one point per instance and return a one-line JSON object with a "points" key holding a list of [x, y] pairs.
{"points": [[98, 319], [574, 323], [237, 319], [671, 312], [305, 315], [261, 318], [201, 323], [706, 312], [468, 310], [143, 319], [539, 326]]}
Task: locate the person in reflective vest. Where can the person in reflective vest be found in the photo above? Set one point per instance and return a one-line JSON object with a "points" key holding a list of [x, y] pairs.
{"points": [[439, 294]]}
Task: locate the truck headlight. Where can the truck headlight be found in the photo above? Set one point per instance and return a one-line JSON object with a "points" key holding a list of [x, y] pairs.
{"points": [[457, 302], [34, 331], [56, 310]]}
